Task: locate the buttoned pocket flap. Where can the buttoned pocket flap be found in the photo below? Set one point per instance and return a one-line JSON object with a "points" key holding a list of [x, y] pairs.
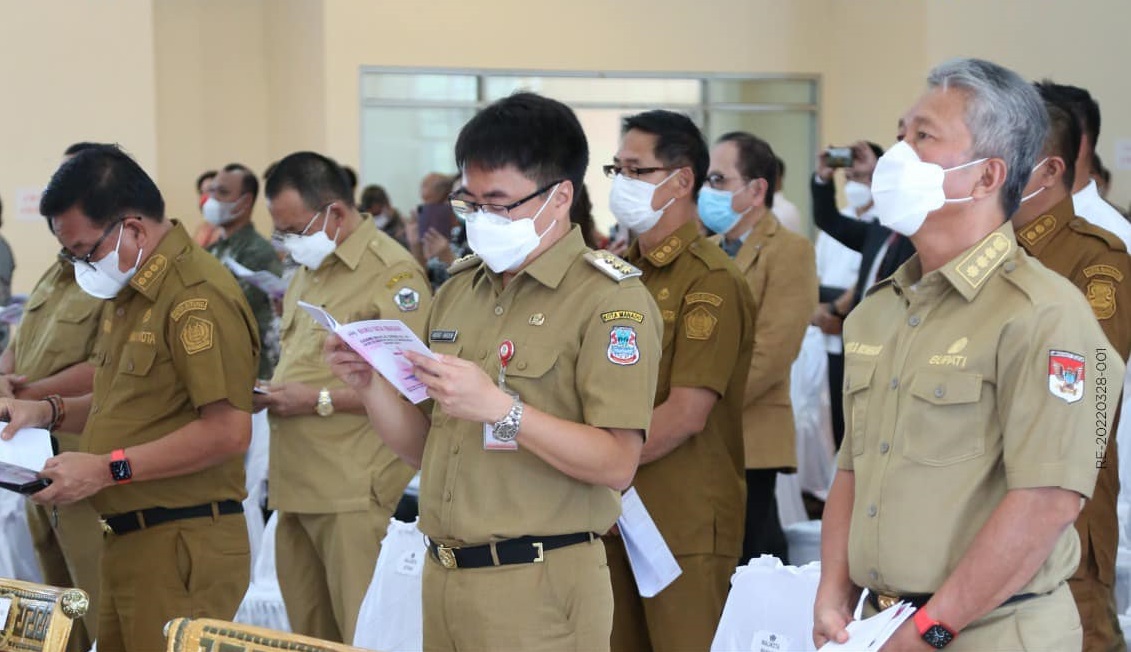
{"points": [[137, 359], [947, 387], [858, 376], [76, 312], [531, 361]]}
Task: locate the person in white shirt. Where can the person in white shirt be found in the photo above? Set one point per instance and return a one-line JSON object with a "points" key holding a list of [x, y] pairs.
{"points": [[785, 210], [1085, 195]]}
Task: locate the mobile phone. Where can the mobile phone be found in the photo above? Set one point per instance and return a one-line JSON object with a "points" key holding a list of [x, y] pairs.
{"points": [[436, 216], [839, 157]]}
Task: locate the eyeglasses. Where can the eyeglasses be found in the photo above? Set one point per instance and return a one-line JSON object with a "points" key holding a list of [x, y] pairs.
{"points": [[280, 235], [74, 260], [630, 171], [719, 181], [465, 207]]}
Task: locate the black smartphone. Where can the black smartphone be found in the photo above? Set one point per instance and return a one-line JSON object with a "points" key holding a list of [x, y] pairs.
{"points": [[436, 216], [839, 157]]}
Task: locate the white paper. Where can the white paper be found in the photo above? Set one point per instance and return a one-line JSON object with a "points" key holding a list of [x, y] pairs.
{"points": [[30, 448], [5, 606], [262, 279], [652, 562], [383, 343], [871, 633], [12, 313]]}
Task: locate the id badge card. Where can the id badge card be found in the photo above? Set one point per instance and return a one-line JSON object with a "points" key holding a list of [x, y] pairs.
{"points": [[490, 443]]}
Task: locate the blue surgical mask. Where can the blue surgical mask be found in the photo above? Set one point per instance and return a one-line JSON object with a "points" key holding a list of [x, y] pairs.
{"points": [[716, 212]]}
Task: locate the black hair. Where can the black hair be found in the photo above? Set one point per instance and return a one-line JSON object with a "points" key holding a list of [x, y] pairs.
{"points": [[351, 177], [106, 184], [678, 141], [374, 194], [1063, 140], [249, 185], [75, 148], [317, 179], [756, 160], [876, 149], [581, 214], [204, 176], [538, 136], [1077, 102], [1099, 168]]}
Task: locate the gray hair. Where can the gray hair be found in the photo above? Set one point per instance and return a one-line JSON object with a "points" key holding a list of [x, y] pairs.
{"points": [[1005, 117]]}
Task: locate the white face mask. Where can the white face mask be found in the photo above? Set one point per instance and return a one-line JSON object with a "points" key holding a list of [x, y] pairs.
{"points": [[905, 188], [219, 212], [102, 279], [503, 243], [858, 194], [630, 200], [311, 250], [1038, 190]]}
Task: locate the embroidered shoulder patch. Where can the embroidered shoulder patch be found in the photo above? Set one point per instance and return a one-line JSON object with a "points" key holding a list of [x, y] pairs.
{"points": [[622, 346], [704, 297], [407, 299], [614, 315], [699, 324], [196, 335], [188, 306], [1066, 375]]}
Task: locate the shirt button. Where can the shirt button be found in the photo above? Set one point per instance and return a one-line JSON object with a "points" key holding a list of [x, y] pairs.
{"points": [[521, 365], [447, 496], [871, 510], [94, 408], [940, 391], [873, 575], [884, 447], [913, 321], [894, 383], [498, 310], [455, 449], [121, 312], [130, 366], [1009, 266]]}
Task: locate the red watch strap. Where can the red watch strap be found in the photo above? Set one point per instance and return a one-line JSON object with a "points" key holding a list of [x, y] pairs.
{"points": [[923, 622], [118, 455]]}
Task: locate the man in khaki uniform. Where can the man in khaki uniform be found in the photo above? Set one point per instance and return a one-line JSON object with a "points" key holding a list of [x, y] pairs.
{"points": [[48, 355], [519, 480], [691, 477], [166, 426], [334, 483], [1096, 262], [780, 267], [975, 379]]}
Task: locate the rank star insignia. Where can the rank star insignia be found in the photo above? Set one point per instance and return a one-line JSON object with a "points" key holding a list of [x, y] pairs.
{"points": [[1066, 375], [407, 299]]}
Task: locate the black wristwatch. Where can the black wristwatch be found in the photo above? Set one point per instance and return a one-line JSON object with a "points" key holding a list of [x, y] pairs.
{"points": [[120, 470], [933, 633]]}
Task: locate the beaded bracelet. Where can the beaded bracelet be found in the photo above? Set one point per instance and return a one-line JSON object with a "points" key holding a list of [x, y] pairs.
{"points": [[58, 411]]}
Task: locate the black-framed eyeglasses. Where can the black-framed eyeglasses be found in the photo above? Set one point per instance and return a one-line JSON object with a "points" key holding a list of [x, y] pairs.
{"points": [[74, 260], [465, 207], [631, 171]]}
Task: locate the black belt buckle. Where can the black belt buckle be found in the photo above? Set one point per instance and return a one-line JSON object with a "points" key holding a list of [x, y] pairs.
{"points": [[523, 550]]}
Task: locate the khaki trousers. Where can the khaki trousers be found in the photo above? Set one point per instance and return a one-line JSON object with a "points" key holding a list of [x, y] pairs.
{"points": [[562, 603], [69, 557], [197, 568], [325, 563], [684, 616]]}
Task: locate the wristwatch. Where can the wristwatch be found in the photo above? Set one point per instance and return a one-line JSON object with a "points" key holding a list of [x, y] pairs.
{"points": [[933, 633], [506, 429], [325, 406], [120, 469]]}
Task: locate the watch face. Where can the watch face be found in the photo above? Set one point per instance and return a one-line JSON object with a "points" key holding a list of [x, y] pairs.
{"points": [[937, 637], [120, 470]]}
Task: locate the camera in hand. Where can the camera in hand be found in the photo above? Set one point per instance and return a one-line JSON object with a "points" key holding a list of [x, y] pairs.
{"points": [[839, 157]]}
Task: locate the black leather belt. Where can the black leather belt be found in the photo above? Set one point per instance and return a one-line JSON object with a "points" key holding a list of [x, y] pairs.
{"points": [[523, 550], [881, 601], [125, 523]]}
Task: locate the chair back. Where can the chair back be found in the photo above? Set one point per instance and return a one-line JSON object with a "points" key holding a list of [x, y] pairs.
{"points": [[38, 617]]}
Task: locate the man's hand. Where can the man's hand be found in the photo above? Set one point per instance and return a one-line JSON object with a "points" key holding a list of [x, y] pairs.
{"points": [[461, 388], [824, 170], [289, 399], [906, 639], [863, 161], [23, 414], [829, 323], [829, 623], [436, 245], [10, 385], [74, 476], [347, 365]]}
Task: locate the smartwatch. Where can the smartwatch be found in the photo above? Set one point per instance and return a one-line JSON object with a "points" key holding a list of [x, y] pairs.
{"points": [[120, 469], [933, 633]]}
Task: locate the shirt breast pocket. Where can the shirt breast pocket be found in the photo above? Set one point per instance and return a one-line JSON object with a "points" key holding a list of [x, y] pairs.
{"points": [[137, 359], [946, 424], [72, 328], [857, 380], [530, 370]]}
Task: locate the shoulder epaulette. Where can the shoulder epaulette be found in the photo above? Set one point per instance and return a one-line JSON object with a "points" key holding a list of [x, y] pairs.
{"points": [[469, 261], [1081, 225], [612, 266]]}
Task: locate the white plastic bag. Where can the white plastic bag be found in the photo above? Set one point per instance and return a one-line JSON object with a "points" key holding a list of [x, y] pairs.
{"points": [[391, 617], [770, 608]]}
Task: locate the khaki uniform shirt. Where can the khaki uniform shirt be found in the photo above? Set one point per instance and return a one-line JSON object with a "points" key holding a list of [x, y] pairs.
{"points": [[179, 337], [586, 349], [254, 252], [1096, 262], [986, 375], [58, 330], [780, 267], [697, 493], [323, 465]]}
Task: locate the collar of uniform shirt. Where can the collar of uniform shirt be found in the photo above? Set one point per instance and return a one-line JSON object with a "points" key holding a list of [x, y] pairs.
{"points": [[151, 274], [1036, 235], [968, 271], [669, 249], [550, 267], [350, 250]]}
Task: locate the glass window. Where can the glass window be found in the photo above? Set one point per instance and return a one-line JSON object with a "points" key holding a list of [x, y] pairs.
{"points": [[596, 90], [433, 88]]}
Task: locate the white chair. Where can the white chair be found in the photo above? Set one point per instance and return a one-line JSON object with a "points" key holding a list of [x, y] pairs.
{"points": [[804, 539], [263, 603]]}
